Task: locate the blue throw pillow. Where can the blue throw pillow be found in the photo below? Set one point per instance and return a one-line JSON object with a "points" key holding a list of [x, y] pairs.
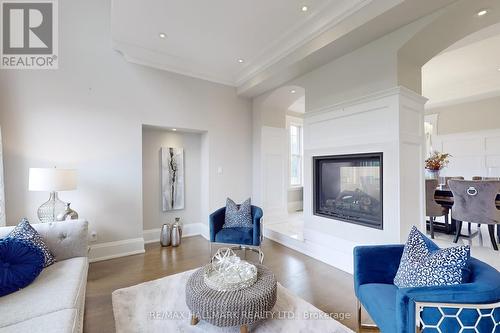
{"points": [[238, 216], [20, 263], [25, 231], [424, 264]]}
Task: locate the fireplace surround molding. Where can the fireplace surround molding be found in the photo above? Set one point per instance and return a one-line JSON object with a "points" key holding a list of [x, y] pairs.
{"points": [[390, 122]]}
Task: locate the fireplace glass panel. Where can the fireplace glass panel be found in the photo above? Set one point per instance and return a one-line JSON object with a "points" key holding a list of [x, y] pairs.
{"points": [[349, 188]]}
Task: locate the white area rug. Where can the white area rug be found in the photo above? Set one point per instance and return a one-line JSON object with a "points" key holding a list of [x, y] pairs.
{"points": [[159, 306]]}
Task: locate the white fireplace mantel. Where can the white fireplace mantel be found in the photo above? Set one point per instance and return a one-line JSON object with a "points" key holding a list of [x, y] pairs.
{"points": [[391, 122]]}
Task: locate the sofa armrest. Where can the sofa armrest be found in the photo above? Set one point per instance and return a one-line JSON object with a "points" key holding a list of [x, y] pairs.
{"points": [[67, 239], [257, 215], [216, 221], [376, 264]]}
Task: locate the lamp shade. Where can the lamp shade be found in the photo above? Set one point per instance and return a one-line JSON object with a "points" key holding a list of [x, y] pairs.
{"points": [[52, 179]]}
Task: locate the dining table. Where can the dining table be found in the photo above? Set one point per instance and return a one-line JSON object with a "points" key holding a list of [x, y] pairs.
{"points": [[444, 197]]}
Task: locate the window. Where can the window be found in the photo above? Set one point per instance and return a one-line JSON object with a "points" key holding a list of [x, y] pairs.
{"points": [[295, 154]]}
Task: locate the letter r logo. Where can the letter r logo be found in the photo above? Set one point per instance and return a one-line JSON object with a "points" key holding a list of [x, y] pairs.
{"points": [[27, 27]]}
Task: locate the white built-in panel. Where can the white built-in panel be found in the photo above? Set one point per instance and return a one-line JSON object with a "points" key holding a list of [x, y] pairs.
{"points": [[492, 145], [473, 153], [493, 161], [274, 172]]}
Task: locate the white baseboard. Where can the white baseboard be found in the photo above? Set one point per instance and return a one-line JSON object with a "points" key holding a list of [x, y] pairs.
{"points": [[188, 230], [111, 250], [127, 247]]}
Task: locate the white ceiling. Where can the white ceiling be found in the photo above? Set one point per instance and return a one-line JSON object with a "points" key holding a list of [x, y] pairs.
{"points": [[468, 70], [277, 40], [205, 38]]}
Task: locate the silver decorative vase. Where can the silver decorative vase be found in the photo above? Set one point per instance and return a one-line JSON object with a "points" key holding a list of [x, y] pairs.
{"points": [[176, 235], [49, 211], [68, 213], [165, 237]]}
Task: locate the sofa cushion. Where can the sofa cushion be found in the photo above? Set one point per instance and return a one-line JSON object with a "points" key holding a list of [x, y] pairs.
{"points": [[422, 265], [58, 287], [235, 236], [62, 321], [25, 231], [380, 302], [20, 264]]}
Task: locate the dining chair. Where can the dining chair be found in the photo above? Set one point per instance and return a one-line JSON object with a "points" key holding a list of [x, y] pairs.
{"points": [[454, 177], [432, 208], [475, 202]]}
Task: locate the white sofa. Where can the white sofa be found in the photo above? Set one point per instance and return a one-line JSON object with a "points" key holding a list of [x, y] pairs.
{"points": [[55, 301]]}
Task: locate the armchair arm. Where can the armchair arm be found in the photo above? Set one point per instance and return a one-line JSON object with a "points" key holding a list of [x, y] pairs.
{"points": [[468, 293], [376, 264], [257, 214], [216, 221], [485, 289]]}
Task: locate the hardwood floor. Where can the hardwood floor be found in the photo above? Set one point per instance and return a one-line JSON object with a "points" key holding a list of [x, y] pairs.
{"points": [[327, 288]]}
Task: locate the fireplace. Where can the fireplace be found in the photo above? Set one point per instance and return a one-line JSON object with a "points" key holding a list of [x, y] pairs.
{"points": [[348, 188]]}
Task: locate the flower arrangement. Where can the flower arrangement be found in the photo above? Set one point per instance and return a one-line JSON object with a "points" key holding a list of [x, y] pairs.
{"points": [[437, 161]]}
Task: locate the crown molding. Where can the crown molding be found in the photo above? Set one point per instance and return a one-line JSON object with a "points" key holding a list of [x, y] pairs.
{"points": [[160, 60], [398, 90], [325, 18], [462, 100]]}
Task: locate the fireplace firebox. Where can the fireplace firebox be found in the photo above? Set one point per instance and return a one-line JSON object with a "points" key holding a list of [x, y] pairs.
{"points": [[349, 188]]}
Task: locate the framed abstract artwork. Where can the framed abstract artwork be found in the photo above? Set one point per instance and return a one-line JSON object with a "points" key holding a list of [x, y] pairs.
{"points": [[172, 178]]}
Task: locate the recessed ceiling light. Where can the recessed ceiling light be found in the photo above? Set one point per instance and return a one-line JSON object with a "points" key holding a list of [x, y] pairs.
{"points": [[304, 8], [482, 12], [293, 91], [174, 129], [162, 35], [241, 61], [498, 69]]}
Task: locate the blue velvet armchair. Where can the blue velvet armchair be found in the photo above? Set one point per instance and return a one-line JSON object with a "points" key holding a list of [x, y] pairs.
{"points": [[238, 236], [474, 306]]}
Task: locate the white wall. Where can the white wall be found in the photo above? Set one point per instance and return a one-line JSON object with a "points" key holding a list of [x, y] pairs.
{"points": [[89, 113], [153, 139], [371, 68], [479, 115]]}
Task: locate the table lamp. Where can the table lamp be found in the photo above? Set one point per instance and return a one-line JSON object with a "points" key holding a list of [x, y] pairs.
{"points": [[51, 180]]}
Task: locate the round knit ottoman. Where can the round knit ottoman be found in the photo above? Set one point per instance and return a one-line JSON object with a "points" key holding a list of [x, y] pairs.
{"points": [[231, 308]]}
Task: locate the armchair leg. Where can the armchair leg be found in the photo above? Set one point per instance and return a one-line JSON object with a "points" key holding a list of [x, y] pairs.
{"points": [[360, 325]]}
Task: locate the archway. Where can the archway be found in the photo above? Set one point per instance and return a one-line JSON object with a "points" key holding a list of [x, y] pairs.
{"points": [[452, 24]]}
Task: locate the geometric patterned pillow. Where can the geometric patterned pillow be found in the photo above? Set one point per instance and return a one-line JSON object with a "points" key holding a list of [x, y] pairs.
{"points": [[25, 231], [238, 216], [423, 264]]}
